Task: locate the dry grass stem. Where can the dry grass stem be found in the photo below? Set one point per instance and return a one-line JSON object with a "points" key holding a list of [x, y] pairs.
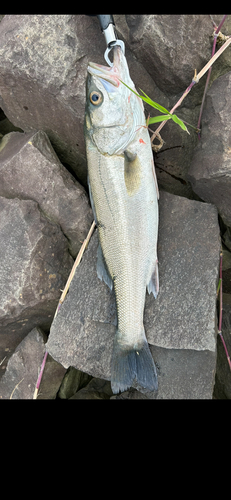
{"points": [[16, 388], [77, 261]]}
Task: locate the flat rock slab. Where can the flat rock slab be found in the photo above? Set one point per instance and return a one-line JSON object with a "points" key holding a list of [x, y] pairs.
{"points": [[182, 374], [183, 317]]}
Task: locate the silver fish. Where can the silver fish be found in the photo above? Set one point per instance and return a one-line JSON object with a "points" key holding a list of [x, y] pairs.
{"points": [[124, 197]]}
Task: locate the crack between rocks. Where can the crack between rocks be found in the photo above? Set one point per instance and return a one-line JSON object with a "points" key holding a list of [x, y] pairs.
{"points": [[172, 175], [172, 147]]}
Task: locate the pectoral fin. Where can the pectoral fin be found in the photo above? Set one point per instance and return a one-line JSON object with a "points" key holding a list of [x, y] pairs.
{"points": [[153, 285], [102, 271], [129, 156]]}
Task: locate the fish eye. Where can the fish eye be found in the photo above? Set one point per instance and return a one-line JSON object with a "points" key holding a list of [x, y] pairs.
{"points": [[95, 98]]}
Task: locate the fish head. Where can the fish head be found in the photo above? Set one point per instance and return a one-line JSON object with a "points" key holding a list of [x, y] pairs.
{"points": [[113, 112]]}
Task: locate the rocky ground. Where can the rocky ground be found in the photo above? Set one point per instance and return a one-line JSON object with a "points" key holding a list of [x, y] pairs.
{"points": [[45, 210]]}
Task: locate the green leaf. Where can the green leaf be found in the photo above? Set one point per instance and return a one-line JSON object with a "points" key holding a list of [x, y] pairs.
{"points": [[138, 95], [154, 104], [160, 108], [148, 100], [156, 119], [179, 122]]}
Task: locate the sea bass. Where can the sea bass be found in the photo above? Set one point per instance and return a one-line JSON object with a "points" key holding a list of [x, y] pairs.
{"points": [[124, 198]]}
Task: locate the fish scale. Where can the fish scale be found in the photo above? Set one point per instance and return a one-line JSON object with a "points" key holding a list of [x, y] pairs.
{"points": [[125, 203]]}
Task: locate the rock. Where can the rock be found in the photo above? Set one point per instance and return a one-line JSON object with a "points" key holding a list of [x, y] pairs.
{"points": [[182, 319], [84, 394], [172, 162], [222, 388], [44, 62], [227, 237], [6, 126], [210, 170], [182, 374], [188, 254], [51, 380], [30, 169], [42, 82], [96, 389], [73, 381], [170, 47], [35, 264], [226, 261], [20, 377], [226, 270]]}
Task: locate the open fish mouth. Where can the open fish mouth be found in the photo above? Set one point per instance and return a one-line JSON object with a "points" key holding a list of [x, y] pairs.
{"points": [[109, 73]]}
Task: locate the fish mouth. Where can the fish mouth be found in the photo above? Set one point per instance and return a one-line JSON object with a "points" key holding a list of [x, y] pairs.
{"points": [[109, 73]]}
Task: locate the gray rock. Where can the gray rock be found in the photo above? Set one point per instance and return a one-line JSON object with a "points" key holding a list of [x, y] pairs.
{"points": [[73, 381], [85, 394], [181, 319], [226, 261], [20, 377], [170, 47], [6, 127], [44, 62], [96, 389], [42, 81], [182, 374], [172, 162], [222, 388], [35, 264], [188, 254], [30, 169], [210, 170], [51, 380]]}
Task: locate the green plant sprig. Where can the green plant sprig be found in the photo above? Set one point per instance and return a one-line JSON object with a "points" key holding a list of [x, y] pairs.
{"points": [[166, 114]]}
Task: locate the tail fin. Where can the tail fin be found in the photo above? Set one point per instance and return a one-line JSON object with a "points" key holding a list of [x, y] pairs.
{"points": [[132, 364]]}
